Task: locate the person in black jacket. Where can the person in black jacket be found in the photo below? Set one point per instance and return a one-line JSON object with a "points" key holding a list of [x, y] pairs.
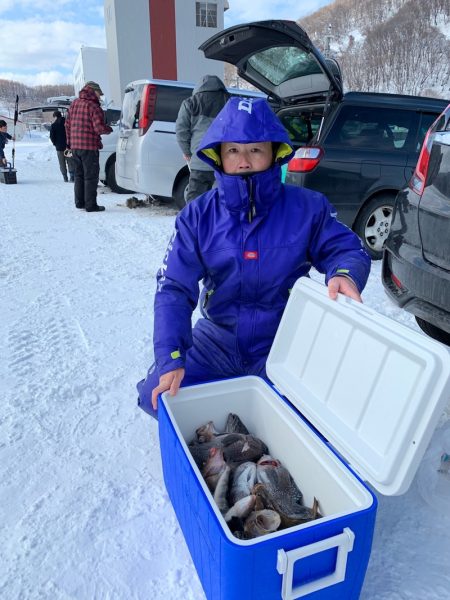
{"points": [[59, 140], [4, 137]]}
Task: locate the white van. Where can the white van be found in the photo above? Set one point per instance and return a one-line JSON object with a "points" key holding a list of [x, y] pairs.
{"points": [[148, 158]]}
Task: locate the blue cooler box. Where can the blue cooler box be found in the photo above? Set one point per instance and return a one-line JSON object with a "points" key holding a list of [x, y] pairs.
{"points": [[351, 387]]}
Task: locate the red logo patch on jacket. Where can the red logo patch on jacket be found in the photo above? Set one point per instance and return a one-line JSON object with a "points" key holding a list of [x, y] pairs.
{"points": [[251, 255]]}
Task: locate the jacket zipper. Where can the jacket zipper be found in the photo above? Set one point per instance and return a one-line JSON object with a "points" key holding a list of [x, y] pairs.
{"points": [[252, 208]]}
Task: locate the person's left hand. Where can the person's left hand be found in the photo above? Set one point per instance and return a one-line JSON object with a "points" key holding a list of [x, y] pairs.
{"points": [[343, 285]]}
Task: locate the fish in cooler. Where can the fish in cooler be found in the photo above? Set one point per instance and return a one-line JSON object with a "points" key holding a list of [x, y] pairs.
{"points": [[254, 492]]}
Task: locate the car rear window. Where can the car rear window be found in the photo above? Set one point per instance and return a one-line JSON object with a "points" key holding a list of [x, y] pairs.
{"points": [[301, 127], [374, 128], [130, 107], [282, 63], [426, 121]]}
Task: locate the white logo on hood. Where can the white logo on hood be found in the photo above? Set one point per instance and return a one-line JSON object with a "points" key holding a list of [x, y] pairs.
{"points": [[245, 105]]}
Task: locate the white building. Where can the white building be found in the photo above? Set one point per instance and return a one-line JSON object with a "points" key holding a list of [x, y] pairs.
{"points": [[92, 65], [159, 39]]}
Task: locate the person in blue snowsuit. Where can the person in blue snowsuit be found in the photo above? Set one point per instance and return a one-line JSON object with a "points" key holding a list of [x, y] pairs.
{"points": [[247, 241]]}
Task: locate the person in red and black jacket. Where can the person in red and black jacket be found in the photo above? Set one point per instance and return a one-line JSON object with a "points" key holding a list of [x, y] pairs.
{"points": [[85, 124]]}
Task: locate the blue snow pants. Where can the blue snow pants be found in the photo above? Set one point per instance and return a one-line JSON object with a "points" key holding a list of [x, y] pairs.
{"points": [[212, 356]]}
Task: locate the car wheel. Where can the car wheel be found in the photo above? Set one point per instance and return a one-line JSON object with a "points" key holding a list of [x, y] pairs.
{"points": [[111, 179], [180, 188], [373, 224], [433, 331]]}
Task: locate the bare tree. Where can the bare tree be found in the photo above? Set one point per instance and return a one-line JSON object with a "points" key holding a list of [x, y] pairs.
{"points": [[399, 48]]}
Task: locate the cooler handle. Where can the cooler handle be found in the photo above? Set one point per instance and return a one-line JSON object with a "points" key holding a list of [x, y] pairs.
{"points": [[286, 560]]}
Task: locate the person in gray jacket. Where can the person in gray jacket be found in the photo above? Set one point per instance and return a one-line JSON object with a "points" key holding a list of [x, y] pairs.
{"points": [[194, 117]]}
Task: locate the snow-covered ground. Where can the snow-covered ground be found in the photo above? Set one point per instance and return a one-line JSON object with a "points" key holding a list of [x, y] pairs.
{"points": [[84, 514]]}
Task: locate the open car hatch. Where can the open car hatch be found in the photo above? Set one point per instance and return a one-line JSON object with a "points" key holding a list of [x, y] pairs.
{"points": [[278, 58]]}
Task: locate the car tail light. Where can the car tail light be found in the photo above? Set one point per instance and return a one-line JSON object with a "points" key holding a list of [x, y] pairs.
{"points": [[417, 182], [397, 282], [147, 109], [305, 159]]}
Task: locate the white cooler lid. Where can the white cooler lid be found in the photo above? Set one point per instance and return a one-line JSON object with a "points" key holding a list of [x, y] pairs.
{"points": [[373, 387]]}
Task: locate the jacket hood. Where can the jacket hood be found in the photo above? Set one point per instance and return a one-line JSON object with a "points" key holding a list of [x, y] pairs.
{"points": [[88, 93], [244, 120], [209, 83]]}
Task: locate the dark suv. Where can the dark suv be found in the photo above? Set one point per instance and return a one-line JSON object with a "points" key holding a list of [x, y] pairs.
{"points": [[416, 260], [359, 149]]}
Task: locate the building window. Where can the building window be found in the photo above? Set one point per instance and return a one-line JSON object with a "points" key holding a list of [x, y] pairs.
{"points": [[206, 14]]}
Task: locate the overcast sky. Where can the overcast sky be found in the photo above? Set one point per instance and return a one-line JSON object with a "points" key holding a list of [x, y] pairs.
{"points": [[40, 39]]}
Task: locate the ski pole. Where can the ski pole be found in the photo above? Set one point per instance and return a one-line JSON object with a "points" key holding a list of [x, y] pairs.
{"points": [[16, 116]]}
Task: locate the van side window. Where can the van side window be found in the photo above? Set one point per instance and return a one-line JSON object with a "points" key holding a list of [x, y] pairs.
{"points": [[168, 102]]}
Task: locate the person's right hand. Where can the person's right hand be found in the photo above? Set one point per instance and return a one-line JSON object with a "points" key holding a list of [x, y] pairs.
{"points": [[169, 381]]}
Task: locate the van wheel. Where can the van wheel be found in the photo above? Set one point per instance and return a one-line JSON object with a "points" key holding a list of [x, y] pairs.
{"points": [[374, 223], [178, 193], [433, 331], [111, 179]]}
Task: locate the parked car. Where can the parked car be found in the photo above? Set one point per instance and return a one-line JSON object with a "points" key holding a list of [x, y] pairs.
{"points": [[359, 149], [149, 159], [107, 155], [416, 259]]}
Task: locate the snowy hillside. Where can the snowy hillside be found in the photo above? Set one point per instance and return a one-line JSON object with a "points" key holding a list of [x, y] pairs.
{"points": [[396, 46]]}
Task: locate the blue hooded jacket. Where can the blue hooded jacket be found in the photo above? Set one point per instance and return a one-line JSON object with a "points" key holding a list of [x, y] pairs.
{"points": [[248, 241]]}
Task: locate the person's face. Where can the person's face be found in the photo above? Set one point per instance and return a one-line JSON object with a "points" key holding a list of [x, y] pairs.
{"points": [[245, 158], [3, 127]]}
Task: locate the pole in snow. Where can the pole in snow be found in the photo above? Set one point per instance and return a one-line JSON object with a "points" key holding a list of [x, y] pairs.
{"points": [[16, 117]]}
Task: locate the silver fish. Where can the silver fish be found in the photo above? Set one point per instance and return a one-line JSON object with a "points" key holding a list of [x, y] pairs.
{"points": [[221, 491], [261, 522], [242, 481], [241, 509]]}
